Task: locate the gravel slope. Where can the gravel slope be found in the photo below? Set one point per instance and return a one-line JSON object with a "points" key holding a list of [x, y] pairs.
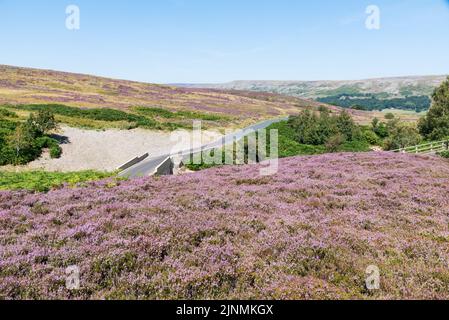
{"points": [[107, 150]]}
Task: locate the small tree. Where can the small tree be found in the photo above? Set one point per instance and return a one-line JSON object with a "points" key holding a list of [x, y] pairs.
{"points": [[435, 125], [42, 123], [20, 140], [307, 128], [334, 143], [346, 125], [371, 137], [401, 135], [379, 128]]}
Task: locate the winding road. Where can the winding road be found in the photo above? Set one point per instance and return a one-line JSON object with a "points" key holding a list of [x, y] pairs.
{"points": [[149, 166]]}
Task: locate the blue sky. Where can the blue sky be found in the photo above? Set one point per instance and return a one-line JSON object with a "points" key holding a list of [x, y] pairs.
{"points": [[171, 41]]}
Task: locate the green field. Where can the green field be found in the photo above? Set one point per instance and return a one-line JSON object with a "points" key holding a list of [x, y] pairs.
{"points": [[42, 181]]}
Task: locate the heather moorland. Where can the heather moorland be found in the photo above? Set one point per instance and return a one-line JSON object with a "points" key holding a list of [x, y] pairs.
{"points": [[307, 232], [25, 86]]}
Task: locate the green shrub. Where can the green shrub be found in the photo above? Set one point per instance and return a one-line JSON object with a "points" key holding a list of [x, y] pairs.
{"points": [[7, 124], [55, 152], [401, 135], [21, 145], [288, 144], [444, 154], [379, 128], [42, 123], [313, 129], [51, 144], [103, 114], [334, 143], [167, 114], [43, 181], [7, 114], [355, 146], [155, 112], [346, 126], [143, 119], [22, 142], [371, 137], [389, 116]]}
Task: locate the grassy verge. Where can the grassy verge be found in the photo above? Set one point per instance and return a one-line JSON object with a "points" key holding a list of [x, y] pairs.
{"points": [[42, 181], [444, 154], [190, 115]]}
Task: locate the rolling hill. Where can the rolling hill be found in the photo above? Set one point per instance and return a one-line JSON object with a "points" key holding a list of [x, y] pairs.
{"points": [[406, 93], [387, 88], [308, 232], [33, 86], [241, 107]]}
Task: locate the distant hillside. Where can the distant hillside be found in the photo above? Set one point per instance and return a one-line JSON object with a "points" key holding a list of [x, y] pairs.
{"points": [[33, 86], [399, 87], [308, 232], [375, 94]]}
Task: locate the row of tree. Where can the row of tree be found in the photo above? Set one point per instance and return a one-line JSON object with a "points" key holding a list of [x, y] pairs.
{"points": [[333, 131], [326, 129], [369, 102]]}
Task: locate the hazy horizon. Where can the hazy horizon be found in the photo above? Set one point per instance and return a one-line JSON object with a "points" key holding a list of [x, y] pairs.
{"points": [[237, 80]]}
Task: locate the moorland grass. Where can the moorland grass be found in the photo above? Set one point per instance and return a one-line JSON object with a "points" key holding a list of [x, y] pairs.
{"points": [[42, 181], [183, 114], [105, 118]]}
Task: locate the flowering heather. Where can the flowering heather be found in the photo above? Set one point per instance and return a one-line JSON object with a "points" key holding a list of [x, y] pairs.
{"points": [[308, 232], [32, 86]]}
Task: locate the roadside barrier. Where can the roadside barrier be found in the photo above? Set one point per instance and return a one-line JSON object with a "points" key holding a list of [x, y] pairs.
{"points": [[133, 162]]}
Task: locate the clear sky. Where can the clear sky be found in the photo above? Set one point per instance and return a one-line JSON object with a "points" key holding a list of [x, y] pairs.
{"points": [[173, 41]]}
